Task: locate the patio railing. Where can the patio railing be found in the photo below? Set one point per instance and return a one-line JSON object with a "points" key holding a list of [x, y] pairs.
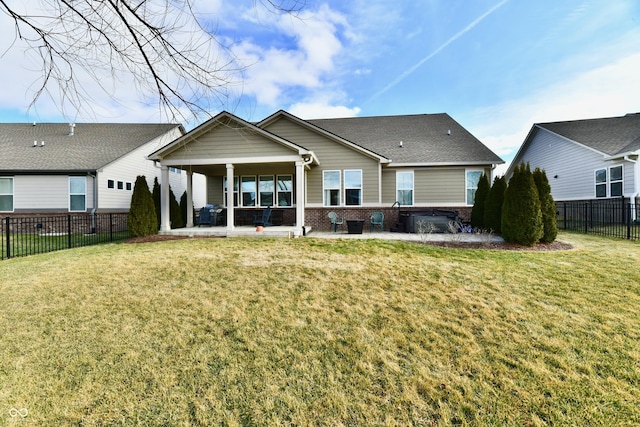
{"points": [[22, 236], [613, 218]]}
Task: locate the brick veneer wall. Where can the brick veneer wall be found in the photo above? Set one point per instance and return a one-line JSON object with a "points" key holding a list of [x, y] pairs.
{"points": [[317, 218]]}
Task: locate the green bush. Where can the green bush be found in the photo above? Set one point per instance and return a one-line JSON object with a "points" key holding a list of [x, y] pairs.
{"points": [[521, 215], [493, 205], [142, 219], [156, 199], [547, 206], [477, 212]]}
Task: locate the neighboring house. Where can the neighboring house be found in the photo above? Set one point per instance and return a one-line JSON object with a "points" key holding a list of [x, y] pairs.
{"points": [[308, 168], [51, 168], [586, 159]]}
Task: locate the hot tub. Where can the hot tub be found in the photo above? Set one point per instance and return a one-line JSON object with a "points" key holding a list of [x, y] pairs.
{"points": [[408, 221]]}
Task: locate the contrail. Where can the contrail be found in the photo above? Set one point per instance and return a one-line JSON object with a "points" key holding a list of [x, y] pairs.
{"points": [[439, 49]]}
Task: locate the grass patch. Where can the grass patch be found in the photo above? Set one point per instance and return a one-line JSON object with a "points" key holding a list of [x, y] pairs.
{"points": [[314, 332]]}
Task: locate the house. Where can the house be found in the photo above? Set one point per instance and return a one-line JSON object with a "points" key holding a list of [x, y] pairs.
{"points": [[586, 159], [308, 168], [52, 168]]}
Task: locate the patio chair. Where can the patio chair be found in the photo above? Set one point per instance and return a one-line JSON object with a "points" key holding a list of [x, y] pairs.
{"points": [[377, 218], [205, 217], [264, 219], [336, 221]]}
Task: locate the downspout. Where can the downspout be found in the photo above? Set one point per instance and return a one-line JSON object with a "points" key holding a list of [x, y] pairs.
{"points": [[95, 201], [636, 185]]}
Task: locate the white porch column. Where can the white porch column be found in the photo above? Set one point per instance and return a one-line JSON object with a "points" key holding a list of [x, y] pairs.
{"points": [[230, 213], [300, 202], [189, 217], [165, 219]]}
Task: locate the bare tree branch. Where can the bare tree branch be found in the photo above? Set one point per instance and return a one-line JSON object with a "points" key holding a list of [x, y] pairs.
{"points": [[160, 45]]}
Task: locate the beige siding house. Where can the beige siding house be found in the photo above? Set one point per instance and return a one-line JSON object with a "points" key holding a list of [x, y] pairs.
{"points": [[307, 168]]}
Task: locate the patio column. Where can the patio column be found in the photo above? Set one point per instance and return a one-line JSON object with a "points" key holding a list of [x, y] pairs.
{"points": [[299, 197], [189, 199], [230, 213], [165, 218]]}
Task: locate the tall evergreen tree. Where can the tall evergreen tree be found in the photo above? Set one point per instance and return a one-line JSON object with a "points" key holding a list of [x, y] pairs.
{"points": [[521, 215], [175, 212], [477, 212], [547, 206], [493, 205], [142, 214], [156, 198]]}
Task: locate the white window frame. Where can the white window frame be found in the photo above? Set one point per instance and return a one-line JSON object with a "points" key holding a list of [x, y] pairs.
{"points": [[266, 190], [358, 187], [401, 188], [468, 187], [11, 194], [608, 182], [255, 191], [83, 194], [285, 191], [325, 199], [236, 181]]}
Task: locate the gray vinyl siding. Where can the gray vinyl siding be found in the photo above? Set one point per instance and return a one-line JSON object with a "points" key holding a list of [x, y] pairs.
{"points": [[440, 186], [573, 164], [225, 142], [389, 185], [45, 193], [332, 155]]}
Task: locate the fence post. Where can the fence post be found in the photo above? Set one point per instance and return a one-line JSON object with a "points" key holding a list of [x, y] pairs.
{"points": [[629, 221], [8, 233], [69, 231], [111, 227]]}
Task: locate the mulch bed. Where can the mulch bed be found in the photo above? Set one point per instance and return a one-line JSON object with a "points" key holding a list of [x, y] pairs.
{"points": [[542, 247]]}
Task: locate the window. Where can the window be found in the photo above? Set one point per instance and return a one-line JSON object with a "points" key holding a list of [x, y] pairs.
{"points": [[611, 187], [175, 170], [331, 188], [267, 187], [120, 185], [615, 184], [404, 188], [111, 184], [235, 190], [248, 189], [353, 187], [601, 183], [77, 194], [6, 194], [285, 190], [473, 178], [128, 186]]}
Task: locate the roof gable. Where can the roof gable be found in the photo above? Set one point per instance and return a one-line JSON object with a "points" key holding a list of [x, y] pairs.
{"points": [[91, 147]]}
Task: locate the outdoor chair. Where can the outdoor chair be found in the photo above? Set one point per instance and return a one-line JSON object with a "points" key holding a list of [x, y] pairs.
{"points": [[377, 218], [205, 217], [336, 221], [264, 219]]}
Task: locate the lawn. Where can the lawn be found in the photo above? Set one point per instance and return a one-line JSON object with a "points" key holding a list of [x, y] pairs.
{"points": [[306, 331]]}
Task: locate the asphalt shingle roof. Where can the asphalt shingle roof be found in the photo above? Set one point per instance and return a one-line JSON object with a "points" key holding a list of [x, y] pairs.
{"points": [[91, 147], [612, 135], [425, 138]]}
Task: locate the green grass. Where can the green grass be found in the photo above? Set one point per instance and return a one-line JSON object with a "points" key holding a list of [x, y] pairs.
{"points": [[313, 332]]}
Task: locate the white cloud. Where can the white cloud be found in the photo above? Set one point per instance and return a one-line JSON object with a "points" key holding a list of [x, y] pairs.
{"points": [[321, 110]]}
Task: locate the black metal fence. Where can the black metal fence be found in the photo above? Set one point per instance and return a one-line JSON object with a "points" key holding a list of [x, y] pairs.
{"points": [[22, 236], [613, 218]]}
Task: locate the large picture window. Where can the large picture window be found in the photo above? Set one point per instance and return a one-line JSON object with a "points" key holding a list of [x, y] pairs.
{"points": [[353, 187], [331, 188], [285, 190], [267, 188], [404, 188], [609, 182], [77, 193], [6, 194], [473, 178]]}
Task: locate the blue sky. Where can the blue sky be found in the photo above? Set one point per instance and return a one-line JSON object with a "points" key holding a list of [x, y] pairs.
{"points": [[496, 67]]}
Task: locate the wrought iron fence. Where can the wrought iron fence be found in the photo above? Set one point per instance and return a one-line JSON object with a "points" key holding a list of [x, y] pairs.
{"points": [[613, 218], [22, 236]]}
